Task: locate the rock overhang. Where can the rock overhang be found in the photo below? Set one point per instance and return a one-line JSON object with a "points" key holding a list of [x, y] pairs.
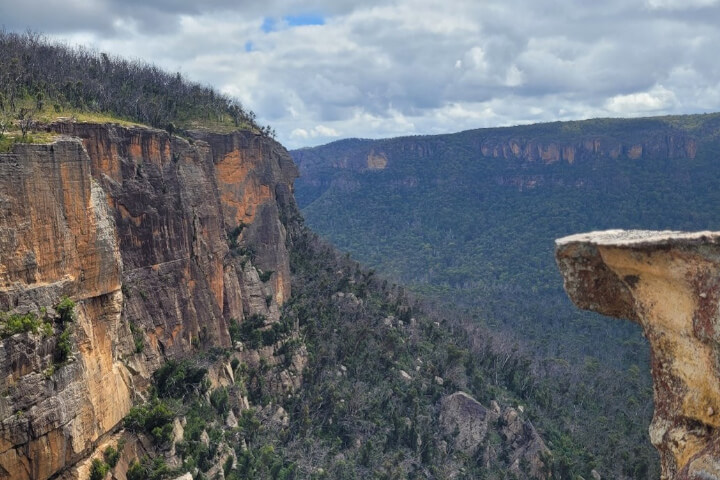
{"points": [[669, 283]]}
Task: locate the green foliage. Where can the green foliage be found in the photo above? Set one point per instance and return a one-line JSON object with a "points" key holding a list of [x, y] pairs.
{"points": [[220, 399], [98, 469], [148, 469], [256, 333], [50, 78], [66, 310], [362, 418], [475, 232], [265, 276], [138, 338], [63, 349], [111, 456], [154, 418], [14, 323], [136, 471], [234, 330], [176, 379], [7, 141], [250, 331]]}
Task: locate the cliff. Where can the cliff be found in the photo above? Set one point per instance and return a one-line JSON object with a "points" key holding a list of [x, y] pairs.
{"points": [[521, 148], [668, 283], [159, 240], [521, 157]]}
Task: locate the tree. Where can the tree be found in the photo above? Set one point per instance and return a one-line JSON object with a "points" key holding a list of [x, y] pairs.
{"points": [[4, 123], [25, 121]]}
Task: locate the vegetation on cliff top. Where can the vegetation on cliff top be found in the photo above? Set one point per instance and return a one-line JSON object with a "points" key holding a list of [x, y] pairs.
{"points": [[41, 81]]}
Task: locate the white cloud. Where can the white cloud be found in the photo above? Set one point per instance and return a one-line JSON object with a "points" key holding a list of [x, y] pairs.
{"points": [[680, 4], [514, 76], [380, 69], [319, 131], [658, 98]]}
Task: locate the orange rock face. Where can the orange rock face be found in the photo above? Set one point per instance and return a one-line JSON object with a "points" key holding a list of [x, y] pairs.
{"points": [[667, 282], [58, 239], [133, 226]]}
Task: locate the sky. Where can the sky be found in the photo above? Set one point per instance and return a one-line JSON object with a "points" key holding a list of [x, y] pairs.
{"points": [[321, 70]]}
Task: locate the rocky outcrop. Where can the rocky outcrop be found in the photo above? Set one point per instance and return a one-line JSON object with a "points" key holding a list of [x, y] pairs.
{"points": [[661, 144], [469, 424], [668, 282], [517, 146], [160, 241]]}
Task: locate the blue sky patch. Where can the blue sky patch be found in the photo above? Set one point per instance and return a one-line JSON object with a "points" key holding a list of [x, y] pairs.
{"points": [[269, 25], [272, 24], [307, 19]]}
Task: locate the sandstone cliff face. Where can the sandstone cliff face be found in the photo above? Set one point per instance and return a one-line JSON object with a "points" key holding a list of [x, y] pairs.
{"points": [[169, 236], [515, 150], [667, 282], [519, 158], [669, 144]]}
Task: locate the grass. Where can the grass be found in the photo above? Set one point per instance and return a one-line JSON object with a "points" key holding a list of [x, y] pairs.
{"points": [[216, 126], [53, 113], [11, 138], [46, 115]]}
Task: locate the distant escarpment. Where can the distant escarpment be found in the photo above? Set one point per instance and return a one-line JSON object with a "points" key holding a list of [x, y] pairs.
{"points": [[159, 240], [668, 283], [521, 154], [471, 218]]}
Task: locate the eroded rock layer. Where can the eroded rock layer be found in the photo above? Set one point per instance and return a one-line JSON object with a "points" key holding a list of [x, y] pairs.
{"points": [[159, 240], [669, 282]]}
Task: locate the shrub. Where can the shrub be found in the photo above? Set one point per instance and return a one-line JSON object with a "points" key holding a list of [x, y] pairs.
{"points": [[98, 469], [63, 348], [220, 399], [66, 310], [175, 379], [136, 471], [265, 276], [154, 418], [12, 323], [250, 330], [234, 330], [138, 338], [111, 455]]}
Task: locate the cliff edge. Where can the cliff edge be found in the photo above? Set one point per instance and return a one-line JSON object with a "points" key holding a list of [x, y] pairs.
{"points": [[668, 282], [160, 241]]}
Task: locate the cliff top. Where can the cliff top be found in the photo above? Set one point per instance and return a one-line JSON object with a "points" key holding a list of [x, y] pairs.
{"points": [[41, 81], [639, 238]]}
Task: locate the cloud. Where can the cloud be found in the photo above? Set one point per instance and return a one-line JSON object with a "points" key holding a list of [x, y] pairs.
{"points": [[657, 99], [315, 132], [680, 4], [399, 67]]}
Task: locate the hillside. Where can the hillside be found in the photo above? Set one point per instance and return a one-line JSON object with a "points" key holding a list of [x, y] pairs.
{"points": [[470, 219], [41, 81], [164, 312], [186, 321]]}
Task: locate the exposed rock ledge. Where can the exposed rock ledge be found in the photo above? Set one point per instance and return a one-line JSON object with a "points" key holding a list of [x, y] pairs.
{"points": [[668, 282]]}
